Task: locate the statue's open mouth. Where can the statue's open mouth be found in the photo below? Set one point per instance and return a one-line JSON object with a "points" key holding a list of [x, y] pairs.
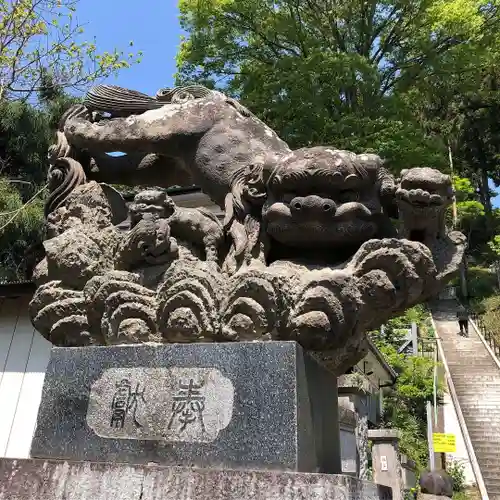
{"points": [[312, 243], [313, 235]]}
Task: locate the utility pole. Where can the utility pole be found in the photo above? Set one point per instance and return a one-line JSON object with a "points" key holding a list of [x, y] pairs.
{"points": [[430, 441], [454, 206], [414, 338], [463, 265]]}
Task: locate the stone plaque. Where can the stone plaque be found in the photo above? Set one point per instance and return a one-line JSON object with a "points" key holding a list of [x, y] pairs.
{"points": [[187, 405], [239, 405]]}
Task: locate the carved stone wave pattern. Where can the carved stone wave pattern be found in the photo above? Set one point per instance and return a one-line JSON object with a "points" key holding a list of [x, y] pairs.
{"points": [[307, 251]]}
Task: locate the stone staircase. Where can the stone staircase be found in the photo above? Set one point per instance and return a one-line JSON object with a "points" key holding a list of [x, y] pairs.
{"points": [[476, 378]]}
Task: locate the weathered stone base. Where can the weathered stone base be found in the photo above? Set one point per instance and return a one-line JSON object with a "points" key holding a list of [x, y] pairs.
{"points": [[57, 480], [262, 405]]}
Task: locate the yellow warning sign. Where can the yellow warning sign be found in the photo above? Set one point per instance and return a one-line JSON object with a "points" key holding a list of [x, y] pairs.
{"points": [[444, 443]]}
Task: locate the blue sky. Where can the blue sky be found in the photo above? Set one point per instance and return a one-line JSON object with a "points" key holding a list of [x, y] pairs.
{"points": [[496, 200], [153, 25]]}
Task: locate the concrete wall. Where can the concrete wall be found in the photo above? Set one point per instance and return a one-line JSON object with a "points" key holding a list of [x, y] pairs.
{"points": [[451, 426], [24, 355], [386, 460]]}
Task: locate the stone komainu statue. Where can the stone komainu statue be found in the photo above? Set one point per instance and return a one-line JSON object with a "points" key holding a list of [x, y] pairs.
{"points": [[308, 249]]}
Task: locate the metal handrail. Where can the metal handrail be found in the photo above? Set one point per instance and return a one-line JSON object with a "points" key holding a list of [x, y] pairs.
{"points": [[488, 336], [461, 421]]}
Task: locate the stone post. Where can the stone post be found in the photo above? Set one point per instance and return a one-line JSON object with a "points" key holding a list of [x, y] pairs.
{"points": [[354, 392], [386, 461], [348, 446], [409, 472]]}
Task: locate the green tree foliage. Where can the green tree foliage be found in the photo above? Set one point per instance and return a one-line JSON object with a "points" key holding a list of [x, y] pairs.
{"points": [[456, 470], [334, 72], [26, 132], [481, 282], [494, 245], [25, 135], [464, 190], [472, 220], [417, 314], [415, 381], [479, 139], [469, 211], [405, 405], [21, 226], [42, 54], [24, 138], [38, 34], [462, 109], [490, 314], [54, 100]]}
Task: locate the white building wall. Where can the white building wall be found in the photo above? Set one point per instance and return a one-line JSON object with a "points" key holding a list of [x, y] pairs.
{"points": [[24, 355], [452, 426]]}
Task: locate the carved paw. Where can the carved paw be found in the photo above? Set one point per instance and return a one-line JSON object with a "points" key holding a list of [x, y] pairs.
{"points": [[188, 302], [325, 309], [392, 275]]}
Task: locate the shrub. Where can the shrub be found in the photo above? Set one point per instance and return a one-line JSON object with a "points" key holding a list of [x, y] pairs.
{"points": [[481, 282], [456, 471], [490, 311], [405, 405]]}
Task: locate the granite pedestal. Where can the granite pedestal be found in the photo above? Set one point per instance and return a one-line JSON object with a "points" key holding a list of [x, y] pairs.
{"points": [[52, 480], [247, 405]]}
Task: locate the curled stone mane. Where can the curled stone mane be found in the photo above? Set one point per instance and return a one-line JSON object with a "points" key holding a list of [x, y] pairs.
{"points": [[180, 93], [284, 173], [61, 148], [66, 171], [65, 175], [242, 208], [118, 101]]}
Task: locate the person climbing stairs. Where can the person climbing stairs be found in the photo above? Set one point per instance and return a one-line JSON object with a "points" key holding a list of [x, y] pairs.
{"points": [[475, 373]]}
